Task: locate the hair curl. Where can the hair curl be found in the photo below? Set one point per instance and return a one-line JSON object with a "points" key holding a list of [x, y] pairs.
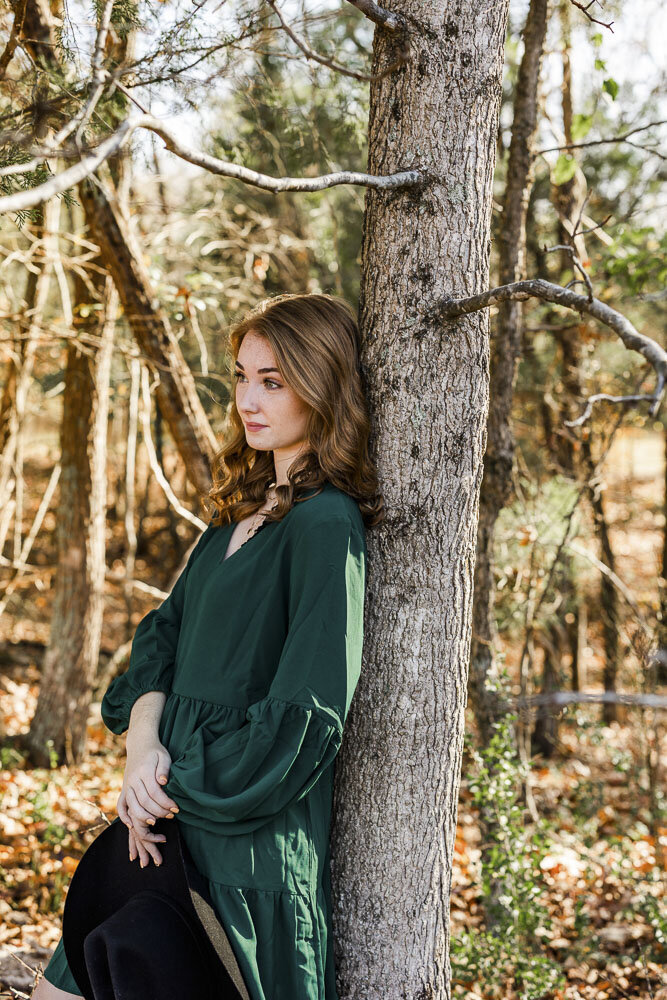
{"points": [[315, 340]]}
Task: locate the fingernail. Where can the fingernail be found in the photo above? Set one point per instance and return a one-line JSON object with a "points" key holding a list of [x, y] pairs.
{"points": [[151, 822], [157, 864], [142, 864]]}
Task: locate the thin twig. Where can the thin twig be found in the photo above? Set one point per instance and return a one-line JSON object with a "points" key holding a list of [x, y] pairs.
{"points": [[153, 459], [601, 142], [310, 53]]}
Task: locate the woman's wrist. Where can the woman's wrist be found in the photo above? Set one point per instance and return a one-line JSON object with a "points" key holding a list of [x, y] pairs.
{"points": [[145, 718]]}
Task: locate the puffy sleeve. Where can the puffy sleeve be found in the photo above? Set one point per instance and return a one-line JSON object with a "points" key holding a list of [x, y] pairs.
{"points": [[153, 652], [237, 781]]}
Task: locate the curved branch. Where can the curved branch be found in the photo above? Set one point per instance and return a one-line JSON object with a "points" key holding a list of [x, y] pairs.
{"points": [[385, 18], [548, 291], [22, 200], [310, 53]]}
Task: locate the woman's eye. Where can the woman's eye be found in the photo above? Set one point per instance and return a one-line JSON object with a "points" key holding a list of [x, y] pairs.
{"points": [[267, 381]]}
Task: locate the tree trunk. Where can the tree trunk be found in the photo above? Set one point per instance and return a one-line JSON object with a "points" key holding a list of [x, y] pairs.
{"points": [[577, 455], [398, 772], [661, 630], [176, 392], [505, 351], [70, 661]]}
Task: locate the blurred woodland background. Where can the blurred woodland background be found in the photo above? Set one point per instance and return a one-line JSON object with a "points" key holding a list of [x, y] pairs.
{"points": [[558, 884]]}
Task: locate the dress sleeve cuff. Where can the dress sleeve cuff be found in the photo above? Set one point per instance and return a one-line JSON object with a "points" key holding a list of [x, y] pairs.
{"points": [[126, 688]]}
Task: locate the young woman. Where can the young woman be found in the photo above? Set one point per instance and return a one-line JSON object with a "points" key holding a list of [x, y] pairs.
{"points": [[239, 684]]}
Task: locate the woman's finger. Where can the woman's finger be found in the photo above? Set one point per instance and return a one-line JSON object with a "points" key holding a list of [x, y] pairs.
{"points": [[148, 850], [137, 810], [160, 801], [161, 775], [141, 851], [154, 853], [155, 799], [156, 838], [121, 809]]}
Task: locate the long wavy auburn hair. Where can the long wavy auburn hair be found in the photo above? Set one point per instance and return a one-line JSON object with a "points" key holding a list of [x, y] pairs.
{"points": [[315, 340]]}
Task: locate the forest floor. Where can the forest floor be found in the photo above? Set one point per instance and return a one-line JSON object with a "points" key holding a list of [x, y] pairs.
{"points": [[593, 867], [602, 887]]}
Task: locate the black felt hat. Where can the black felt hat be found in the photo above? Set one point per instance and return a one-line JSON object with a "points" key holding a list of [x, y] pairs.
{"points": [[133, 933]]}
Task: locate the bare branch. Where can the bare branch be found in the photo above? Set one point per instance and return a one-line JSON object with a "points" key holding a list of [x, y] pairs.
{"points": [[623, 589], [379, 15], [548, 291], [21, 558], [12, 42], [404, 55], [153, 459], [22, 200], [99, 73], [577, 697], [601, 142], [576, 262], [405, 178], [584, 7]]}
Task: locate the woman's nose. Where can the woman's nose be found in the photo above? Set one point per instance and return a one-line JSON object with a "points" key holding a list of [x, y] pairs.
{"points": [[248, 402]]}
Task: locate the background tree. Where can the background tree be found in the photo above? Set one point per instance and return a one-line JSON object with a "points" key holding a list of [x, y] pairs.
{"points": [[260, 111]]}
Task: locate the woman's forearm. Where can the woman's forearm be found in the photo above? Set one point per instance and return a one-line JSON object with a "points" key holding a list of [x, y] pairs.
{"points": [[145, 718]]}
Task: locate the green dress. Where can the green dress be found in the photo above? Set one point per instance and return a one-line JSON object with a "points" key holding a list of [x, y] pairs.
{"points": [[259, 655]]}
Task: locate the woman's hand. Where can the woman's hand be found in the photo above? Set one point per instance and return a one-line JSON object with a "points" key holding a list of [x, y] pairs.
{"points": [[142, 799]]}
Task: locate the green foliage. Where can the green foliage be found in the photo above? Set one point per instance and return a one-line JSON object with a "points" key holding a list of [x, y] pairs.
{"points": [[10, 758], [581, 126], [610, 87], [512, 886], [638, 257], [124, 15], [564, 169], [42, 812], [654, 912]]}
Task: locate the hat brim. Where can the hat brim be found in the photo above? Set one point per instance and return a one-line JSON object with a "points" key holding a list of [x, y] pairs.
{"points": [[105, 879]]}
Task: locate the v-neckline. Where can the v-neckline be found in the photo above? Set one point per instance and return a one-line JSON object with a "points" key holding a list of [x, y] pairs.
{"points": [[225, 558], [224, 561]]}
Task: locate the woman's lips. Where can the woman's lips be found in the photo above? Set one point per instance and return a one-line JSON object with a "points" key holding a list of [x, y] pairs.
{"points": [[256, 427]]}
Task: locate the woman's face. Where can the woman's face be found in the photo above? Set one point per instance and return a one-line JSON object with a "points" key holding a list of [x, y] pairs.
{"points": [[262, 397]]}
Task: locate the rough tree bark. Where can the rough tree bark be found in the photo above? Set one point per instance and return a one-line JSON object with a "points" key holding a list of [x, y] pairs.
{"points": [[398, 772], [505, 351], [70, 661], [576, 454]]}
